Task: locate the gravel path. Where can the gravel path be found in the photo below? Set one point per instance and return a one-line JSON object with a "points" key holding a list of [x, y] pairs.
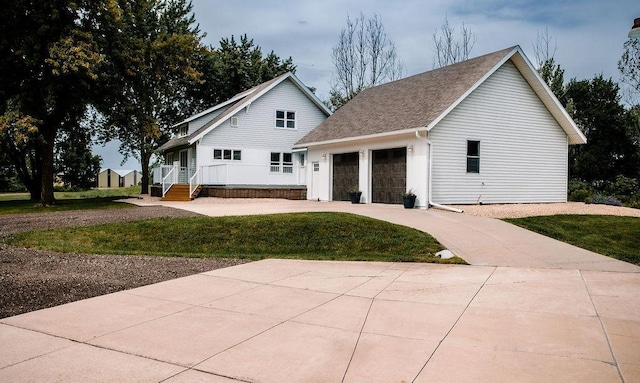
{"points": [[32, 279], [536, 209]]}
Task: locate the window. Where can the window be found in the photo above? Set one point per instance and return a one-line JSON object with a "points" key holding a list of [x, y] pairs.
{"points": [[473, 156], [287, 163], [302, 159], [316, 166], [275, 162], [169, 159], [184, 129], [284, 160], [227, 154], [285, 119]]}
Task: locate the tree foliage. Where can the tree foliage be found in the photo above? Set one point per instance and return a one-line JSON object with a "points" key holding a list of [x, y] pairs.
{"points": [[151, 49], [48, 61], [232, 68], [449, 49], [77, 167], [364, 57], [610, 150]]}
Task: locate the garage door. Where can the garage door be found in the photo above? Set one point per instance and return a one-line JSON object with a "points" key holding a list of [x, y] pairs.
{"points": [[388, 175], [345, 175]]}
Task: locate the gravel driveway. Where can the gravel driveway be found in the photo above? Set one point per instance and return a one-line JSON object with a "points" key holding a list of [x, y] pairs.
{"points": [[32, 279]]}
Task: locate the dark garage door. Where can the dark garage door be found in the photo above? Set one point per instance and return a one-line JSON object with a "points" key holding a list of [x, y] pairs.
{"points": [[388, 175], [345, 175]]}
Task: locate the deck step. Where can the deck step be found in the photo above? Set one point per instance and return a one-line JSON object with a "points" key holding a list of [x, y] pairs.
{"points": [[178, 192]]}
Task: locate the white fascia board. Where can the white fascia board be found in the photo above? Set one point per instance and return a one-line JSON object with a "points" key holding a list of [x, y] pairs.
{"points": [[214, 108], [359, 138]]}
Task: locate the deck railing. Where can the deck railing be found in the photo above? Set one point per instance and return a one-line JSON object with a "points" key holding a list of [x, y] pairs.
{"points": [[194, 181], [240, 174], [169, 179]]}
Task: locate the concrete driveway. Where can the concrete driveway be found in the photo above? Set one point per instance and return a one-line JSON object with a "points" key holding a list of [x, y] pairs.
{"points": [[560, 318]]}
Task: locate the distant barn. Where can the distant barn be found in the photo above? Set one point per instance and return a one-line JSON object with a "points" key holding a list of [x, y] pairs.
{"points": [[118, 178]]}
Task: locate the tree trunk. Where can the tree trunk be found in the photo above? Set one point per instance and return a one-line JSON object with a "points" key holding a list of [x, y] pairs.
{"points": [[47, 198], [145, 157]]}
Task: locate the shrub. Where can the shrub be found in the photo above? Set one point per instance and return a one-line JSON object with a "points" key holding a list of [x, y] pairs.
{"points": [[624, 187], [579, 195], [602, 199]]}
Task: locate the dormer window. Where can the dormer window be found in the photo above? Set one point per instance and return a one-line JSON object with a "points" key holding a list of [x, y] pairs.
{"points": [[285, 119], [184, 129]]}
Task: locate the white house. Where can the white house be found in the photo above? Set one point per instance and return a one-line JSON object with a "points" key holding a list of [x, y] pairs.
{"points": [[245, 142], [484, 130], [118, 178]]}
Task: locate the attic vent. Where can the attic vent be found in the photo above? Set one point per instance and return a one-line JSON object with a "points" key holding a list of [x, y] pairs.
{"points": [[234, 122]]}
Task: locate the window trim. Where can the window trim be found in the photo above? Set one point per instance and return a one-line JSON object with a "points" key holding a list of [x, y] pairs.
{"points": [[281, 166], [183, 131], [223, 153], [476, 168], [286, 119]]}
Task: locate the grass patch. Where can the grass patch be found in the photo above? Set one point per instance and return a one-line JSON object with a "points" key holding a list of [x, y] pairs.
{"points": [[616, 237], [323, 236], [19, 203]]}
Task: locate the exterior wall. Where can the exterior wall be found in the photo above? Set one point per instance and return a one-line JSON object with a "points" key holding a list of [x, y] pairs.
{"points": [[200, 121], [102, 179], [523, 150], [132, 179], [416, 166], [256, 135]]}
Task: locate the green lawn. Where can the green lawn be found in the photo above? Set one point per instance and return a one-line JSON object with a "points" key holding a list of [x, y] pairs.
{"points": [[323, 236], [18, 203], [617, 237]]}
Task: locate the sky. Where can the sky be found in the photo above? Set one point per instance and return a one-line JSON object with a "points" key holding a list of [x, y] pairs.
{"points": [[589, 33]]}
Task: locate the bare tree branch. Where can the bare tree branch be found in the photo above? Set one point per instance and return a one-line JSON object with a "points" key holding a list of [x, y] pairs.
{"points": [[545, 47], [448, 50], [364, 57]]}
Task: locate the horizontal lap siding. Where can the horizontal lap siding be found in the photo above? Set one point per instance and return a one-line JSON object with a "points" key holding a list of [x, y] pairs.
{"points": [[523, 150], [256, 128]]}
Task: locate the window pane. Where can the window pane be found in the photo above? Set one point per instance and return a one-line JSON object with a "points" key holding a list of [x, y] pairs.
{"points": [[473, 165], [473, 148], [217, 154], [302, 159], [291, 115], [275, 157], [280, 123], [227, 154], [237, 155], [287, 158], [279, 113], [291, 124]]}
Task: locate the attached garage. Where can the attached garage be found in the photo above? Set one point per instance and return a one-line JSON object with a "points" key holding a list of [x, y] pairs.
{"points": [[388, 175], [345, 175]]}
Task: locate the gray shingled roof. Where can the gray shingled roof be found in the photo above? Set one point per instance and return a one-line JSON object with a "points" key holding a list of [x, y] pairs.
{"points": [[409, 103]]}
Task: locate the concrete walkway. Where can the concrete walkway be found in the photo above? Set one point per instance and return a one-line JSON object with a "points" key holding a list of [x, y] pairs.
{"points": [[310, 321]]}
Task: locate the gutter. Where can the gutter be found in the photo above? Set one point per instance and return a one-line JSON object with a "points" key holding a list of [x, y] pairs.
{"points": [[430, 202]]}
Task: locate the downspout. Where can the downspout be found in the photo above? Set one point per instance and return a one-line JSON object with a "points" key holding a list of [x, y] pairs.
{"points": [[430, 202]]}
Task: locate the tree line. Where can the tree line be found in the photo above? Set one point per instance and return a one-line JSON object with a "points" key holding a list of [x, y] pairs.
{"points": [[115, 69]]}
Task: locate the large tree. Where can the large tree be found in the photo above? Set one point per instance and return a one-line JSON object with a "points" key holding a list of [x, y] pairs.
{"points": [[232, 68], [48, 60], [609, 151], [364, 57], [151, 49]]}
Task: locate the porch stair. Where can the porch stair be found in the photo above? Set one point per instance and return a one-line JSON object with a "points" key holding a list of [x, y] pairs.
{"points": [[178, 192]]}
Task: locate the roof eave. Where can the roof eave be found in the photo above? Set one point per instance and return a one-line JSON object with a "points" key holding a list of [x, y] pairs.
{"points": [[359, 138]]}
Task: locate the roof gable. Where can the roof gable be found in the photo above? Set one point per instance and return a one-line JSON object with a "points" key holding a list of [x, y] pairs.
{"points": [[419, 102], [237, 103]]}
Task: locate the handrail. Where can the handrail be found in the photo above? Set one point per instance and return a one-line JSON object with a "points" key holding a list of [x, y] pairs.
{"points": [[171, 181], [194, 181]]}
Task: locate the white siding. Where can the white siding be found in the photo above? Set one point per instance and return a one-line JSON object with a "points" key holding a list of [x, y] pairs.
{"points": [[257, 135], [256, 127], [523, 150], [200, 121]]}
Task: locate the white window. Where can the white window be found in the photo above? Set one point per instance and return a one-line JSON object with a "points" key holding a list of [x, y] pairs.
{"points": [[316, 167], [184, 129], [285, 119], [169, 159], [282, 161], [227, 154]]}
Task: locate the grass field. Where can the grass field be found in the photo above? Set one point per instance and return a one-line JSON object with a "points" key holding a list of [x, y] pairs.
{"points": [[18, 203], [614, 236], [322, 236]]}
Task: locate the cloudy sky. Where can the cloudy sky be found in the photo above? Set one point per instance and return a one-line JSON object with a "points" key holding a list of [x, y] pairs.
{"points": [[589, 33]]}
